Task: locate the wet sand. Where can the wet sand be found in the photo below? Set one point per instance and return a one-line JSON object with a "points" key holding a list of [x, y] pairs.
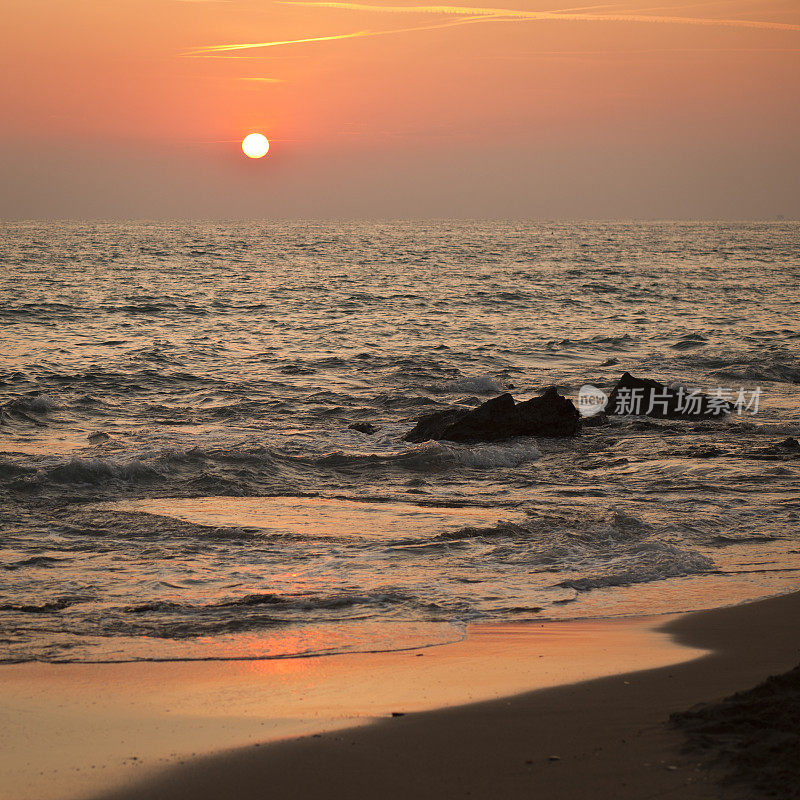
{"points": [[595, 726], [69, 730], [610, 735]]}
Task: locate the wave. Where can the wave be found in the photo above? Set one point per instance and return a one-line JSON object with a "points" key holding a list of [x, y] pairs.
{"points": [[9, 469], [48, 607], [399, 400], [775, 372], [479, 384], [310, 602], [746, 364], [166, 619], [653, 562], [116, 380], [97, 470], [431, 456], [51, 310], [504, 530], [765, 428], [690, 341], [630, 549], [27, 410], [484, 456], [39, 404], [33, 561]]}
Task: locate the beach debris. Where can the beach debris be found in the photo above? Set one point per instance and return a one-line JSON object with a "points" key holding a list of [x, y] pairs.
{"points": [[98, 436], [398, 713], [645, 397], [364, 427], [502, 417], [554, 758]]}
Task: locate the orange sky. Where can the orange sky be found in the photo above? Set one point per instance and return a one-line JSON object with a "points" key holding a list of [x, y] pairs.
{"points": [[136, 107]]}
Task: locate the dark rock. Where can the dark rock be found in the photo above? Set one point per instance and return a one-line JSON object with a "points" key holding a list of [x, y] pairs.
{"points": [[501, 418], [432, 426], [642, 396], [549, 415], [494, 419], [610, 362], [364, 427], [790, 443]]}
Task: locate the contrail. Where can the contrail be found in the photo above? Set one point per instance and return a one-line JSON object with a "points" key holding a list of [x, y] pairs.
{"points": [[226, 48], [467, 15], [519, 14]]}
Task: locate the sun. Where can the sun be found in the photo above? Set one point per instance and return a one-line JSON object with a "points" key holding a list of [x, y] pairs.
{"points": [[255, 145]]}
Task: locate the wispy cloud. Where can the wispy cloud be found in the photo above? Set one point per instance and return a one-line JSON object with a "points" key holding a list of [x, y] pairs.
{"points": [[468, 15], [510, 14], [228, 48], [215, 50]]}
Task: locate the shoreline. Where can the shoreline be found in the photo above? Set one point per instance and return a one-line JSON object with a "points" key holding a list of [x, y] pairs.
{"points": [[70, 730], [606, 737]]}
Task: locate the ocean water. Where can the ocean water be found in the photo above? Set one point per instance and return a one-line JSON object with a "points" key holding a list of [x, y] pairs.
{"points": [[178, 478]]}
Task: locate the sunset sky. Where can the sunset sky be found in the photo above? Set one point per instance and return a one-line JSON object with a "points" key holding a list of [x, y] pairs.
{"points": [[137, 108]]}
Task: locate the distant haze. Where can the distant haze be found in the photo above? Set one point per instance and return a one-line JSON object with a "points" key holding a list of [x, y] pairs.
{"points": [[136, 108]]}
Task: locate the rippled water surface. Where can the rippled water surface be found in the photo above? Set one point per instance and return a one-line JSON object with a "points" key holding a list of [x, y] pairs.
{"points": [[178, 478]]}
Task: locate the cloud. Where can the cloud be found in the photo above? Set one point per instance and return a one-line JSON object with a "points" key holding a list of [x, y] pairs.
{"points": [[214, 50], [508, 14], [227, 48], [467, 15]]}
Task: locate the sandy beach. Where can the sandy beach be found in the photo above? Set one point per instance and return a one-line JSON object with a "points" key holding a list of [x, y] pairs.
{"points": [[73, 729], [561, 708]]}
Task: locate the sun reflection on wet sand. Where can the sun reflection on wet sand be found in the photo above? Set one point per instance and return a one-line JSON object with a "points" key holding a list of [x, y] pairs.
{"points": [[152, 714]]}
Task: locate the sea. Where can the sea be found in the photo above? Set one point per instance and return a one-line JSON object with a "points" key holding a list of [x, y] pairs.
{"points": [[179, 478]]}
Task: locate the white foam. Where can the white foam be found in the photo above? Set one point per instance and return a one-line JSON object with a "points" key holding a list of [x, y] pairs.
{"points": [[95, 470], [483, 456]]}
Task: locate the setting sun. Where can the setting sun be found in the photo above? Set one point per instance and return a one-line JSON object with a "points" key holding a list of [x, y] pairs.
{"points": [[255, 145]]}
